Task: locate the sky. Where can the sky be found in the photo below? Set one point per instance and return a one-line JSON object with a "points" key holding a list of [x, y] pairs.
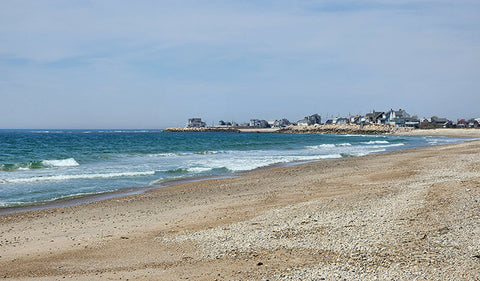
{"points": [[154, 64]]}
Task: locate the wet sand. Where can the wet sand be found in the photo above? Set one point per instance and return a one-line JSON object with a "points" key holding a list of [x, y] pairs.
{"points": [[400, 215], [443, 132]]}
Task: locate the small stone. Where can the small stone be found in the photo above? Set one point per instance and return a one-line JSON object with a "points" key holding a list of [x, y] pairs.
{"points": [[260, 263]]}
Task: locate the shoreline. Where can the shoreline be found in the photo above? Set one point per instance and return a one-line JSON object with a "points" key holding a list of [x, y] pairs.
{"points": [[95, 197], [444, 132], [404, 214]]}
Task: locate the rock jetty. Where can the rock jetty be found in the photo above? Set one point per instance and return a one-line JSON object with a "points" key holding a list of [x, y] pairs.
{"points": [[375, 129], [203, 129]]}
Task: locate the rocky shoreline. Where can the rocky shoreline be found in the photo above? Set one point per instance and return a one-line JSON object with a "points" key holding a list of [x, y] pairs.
{"points": [[344, 129], [203, 129], [313, 129]]}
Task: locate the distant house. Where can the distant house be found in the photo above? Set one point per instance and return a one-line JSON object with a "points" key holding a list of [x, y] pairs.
{"points": [[357, 119], [281, 123], [195, 123], [222, 123], [412, 122], [341, 121], [397, 117], [462, 123], [473, 123], [437, 121], [257, 123], [310, 120], [302, 122], [376, 117]]}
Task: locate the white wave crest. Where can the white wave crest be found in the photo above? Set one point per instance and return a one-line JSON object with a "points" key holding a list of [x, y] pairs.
{"points": [[166, 154], [198, 169], [171, 154], [320, 146], [330, 156], [80, 176], [327, 145], [70, 162], [376, 142], [344, 144], [393, 145]]}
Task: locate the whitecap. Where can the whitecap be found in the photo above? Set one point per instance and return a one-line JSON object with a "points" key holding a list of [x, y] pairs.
{"points": [[320, 146], [376, 142], [344, 144], [79, 176], [70, 162], [198, 169]]}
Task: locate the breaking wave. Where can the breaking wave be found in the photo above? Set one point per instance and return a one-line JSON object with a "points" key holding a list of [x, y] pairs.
{"points": [[80, 176], [376, 142], [327, 145], [70, 162], [171, 154]]}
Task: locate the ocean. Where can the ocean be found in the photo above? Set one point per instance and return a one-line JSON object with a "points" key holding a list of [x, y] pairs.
{"points": [[42, 166]]}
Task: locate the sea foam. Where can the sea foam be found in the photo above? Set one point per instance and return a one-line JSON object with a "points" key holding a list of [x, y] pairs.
{"points": [[80, 176], [376, 142], [70, 162]]}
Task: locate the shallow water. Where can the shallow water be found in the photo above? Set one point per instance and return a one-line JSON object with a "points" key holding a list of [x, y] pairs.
{"points": [[43, 166]]}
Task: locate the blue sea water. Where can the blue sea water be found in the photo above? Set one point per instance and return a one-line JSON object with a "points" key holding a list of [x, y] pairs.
{"points": [[42, 166]]}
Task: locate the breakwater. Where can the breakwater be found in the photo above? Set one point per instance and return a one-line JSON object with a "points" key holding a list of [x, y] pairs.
{"points": [[203, 129], [375, 129]]}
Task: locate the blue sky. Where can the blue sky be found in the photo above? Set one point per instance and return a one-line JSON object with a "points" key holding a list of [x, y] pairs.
{"points": [[153, 64]]}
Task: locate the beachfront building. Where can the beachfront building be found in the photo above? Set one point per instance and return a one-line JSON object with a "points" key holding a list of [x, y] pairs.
{"points": [[310, 120], [413, 122], [281, 123], [357, 119], [196, 123], [473, 123], [462, 123], [375, 117], [257, 123], [438, 121], [396, 117], [222, 123], [401, 118], [338, 121], [342, 121], [331, 121]]}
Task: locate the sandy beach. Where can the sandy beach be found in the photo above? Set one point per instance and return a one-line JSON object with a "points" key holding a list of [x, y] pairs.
{"points": [[411, 214], [443, 132]]}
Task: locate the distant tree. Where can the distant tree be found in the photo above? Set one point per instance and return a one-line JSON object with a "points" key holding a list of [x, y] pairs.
{"points": [[427, 125]]}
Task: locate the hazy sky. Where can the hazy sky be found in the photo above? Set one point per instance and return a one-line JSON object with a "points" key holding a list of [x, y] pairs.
{"points": [[152, 64]]}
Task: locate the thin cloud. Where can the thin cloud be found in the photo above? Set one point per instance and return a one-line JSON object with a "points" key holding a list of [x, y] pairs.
{"points": [[214, 58]]}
